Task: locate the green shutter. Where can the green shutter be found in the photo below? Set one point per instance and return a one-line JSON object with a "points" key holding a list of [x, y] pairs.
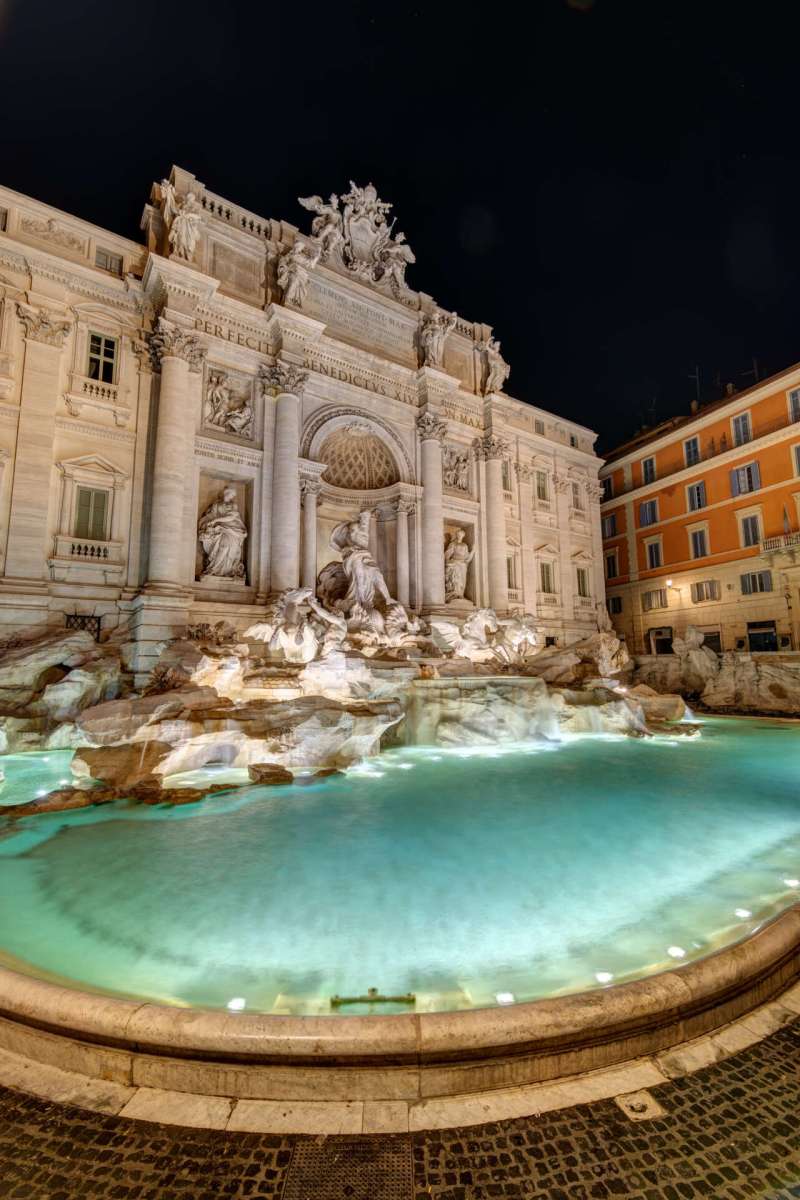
{"points": [[82, 523], [98, 523]]}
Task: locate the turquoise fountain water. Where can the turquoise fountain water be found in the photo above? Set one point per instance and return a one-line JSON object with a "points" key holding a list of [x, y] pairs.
{"points": [[469, 878]]}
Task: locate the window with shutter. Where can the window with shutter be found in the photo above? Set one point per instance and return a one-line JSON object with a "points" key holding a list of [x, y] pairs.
{"points": [[794, 404], [92, 509]]}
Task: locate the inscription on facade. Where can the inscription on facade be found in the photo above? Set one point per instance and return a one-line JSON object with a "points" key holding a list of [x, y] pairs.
{"points": [[347, 374], [236, 336], [367, 324]]}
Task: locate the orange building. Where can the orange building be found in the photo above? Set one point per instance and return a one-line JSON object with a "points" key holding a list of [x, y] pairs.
{"points": [[700, 524]]}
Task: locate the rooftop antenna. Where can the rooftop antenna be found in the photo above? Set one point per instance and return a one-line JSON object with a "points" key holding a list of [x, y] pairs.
{"points": [[695, 375], [754, 370]]}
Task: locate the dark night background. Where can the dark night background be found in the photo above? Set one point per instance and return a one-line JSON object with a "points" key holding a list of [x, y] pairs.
{"points": [[613, 185]]}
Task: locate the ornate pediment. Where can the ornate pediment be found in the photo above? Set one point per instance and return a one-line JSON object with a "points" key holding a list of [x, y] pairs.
{"points": [[353, 233]]}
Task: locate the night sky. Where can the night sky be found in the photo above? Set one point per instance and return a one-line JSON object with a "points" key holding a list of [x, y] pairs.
{"points": [[613, 186]]}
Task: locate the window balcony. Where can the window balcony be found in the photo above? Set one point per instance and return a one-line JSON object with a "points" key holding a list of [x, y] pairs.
{"points": [[89, 550], [784, 541], [515, 595], [548, 598], [584, 602], [93, 393]]}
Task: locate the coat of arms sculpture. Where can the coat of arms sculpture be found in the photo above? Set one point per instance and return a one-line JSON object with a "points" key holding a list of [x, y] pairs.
{"points": [[353, 232]]}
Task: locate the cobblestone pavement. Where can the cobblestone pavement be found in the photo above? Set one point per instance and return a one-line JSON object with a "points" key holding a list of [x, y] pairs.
{"points": [[731, 1131]]}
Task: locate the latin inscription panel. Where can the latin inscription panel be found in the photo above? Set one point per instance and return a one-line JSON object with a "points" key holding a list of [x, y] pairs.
{"points": [[370, 326]]}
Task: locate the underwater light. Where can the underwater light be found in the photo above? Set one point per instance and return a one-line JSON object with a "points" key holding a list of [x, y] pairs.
{"points": [[236, 1004], [505, 997], [603, 976], [792, 883], [742, 913], [676, 952]]}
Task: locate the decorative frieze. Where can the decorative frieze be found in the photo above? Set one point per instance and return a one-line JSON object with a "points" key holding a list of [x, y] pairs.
{"points": [[49, 231], [455, 469], [42, 325]]}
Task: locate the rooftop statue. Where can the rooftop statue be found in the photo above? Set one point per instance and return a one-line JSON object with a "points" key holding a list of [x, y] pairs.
{"points": [[352, 232]]}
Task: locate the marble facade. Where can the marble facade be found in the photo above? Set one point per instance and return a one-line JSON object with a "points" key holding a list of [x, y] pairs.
{"points": [[234, 386]]}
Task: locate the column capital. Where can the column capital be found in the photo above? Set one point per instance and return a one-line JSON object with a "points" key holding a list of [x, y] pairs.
{"points": [[431, 428], [524, 471], [310, 487], [282, 378], [42, 325], [490, 446], [594, 491], [561, 483], [169, 340], [404, 505]]}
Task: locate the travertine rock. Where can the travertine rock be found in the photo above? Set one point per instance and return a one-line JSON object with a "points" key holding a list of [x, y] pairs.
{"points": [[119, 767], [657, 707], [23, 667], [269, 773], [81, 688]]}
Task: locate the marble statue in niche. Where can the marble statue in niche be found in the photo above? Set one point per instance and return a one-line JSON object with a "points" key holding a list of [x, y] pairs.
{"points": [[354, 585], [222, 532], [457, 557], [433, 332], [292, 275], [497, 369], [224, 410], [455, 469], [185, 227]]}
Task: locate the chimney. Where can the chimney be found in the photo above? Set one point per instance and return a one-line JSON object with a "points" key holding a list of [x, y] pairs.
{"points": [[694, 406]]}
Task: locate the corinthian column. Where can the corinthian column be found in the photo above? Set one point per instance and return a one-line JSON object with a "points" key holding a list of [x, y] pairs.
{"points": [[431, 433], [310, 489], [177, 352], [26, 555], [404, 507], [494, 449], [286, 382]]}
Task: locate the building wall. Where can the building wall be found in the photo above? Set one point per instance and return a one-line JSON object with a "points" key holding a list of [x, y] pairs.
{"points": [[771, 457], [149, 429]]}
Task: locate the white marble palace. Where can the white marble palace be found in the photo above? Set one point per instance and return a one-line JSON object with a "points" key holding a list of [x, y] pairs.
{"points": [[184, 423]]}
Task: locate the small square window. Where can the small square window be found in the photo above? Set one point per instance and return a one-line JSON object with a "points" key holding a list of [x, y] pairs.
{"points": [[705, 589], [756, 581], [538, 425], [108, 261], [614, 605], [794, 404], [796, 450], [608, 487], [648, 512], [745, 479], [653, 556], [546, 577], [648, 470], [102, 364], [583, 582], [610, 525], [612, 565], [3, 220], [542, 489]]}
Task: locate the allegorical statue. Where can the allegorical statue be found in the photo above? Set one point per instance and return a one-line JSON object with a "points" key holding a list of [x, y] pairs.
{"points": [[497, 369], [299, 628], [185, 227], [457, 558], [222, 534], [396, 256], [169, 202], [435, 329], [218, 394], [326, 228], [240, 420], [355, 586], [292, 273]]}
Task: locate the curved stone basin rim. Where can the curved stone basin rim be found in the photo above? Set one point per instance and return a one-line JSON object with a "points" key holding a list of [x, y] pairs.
{"points": [[706, 993]]}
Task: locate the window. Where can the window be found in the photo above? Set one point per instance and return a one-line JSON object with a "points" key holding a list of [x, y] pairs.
{"points": [[612, 565], [796, 450], [538, 425], [577, 498], [3, 219], [108, 261], [614, 605], [756, 581], [655, 599], [608, 487], [542, 490], [583, 582], [691, 451], [705, 589], [653, 550], [696, 495], [648, 512], [741, 429], [648, 470], [511, 572], [751, 531], [90, 520], [794, 404], [610, 524], [573, 441], [745, 479], [699, 541], [102, 357], [506, 475], [546, 577]]}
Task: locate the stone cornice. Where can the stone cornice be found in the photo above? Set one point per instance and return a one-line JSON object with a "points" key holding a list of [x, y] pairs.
{"points": [[76, 277], [73, 426], [172, 283]]}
